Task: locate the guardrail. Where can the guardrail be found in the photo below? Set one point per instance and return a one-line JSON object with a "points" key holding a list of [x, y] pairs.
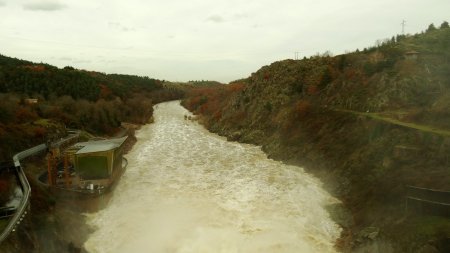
{"points": [[68, 140], [428, 201], [429, 194], [6, 212], [21, 211]]}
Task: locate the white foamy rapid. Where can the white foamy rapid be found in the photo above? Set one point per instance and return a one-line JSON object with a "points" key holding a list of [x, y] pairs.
{"points": [[187, 190]]}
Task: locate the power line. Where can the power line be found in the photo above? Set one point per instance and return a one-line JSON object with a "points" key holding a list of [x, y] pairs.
{"points": [[403, 26]]}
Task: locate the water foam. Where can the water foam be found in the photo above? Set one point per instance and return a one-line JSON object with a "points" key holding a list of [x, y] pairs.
{"points": [[187, 190]]}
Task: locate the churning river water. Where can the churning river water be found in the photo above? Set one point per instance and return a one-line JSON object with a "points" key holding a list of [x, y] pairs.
{"points": [[188, 190]]}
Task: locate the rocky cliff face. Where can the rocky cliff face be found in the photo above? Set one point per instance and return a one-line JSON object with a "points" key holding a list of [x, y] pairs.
{"points": [[368, 123]]}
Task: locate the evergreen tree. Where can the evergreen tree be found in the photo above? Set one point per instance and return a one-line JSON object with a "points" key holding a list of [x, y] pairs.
{"points": [[431, 27]]}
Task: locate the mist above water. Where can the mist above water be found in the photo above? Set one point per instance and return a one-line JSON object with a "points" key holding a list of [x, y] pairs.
{"points": [[187, 190]]}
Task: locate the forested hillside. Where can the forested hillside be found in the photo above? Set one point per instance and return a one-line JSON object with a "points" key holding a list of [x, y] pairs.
{"points": [[38, 101], [368, 123]]}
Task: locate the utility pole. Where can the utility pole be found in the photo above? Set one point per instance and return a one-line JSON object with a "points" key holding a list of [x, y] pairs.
{"points": [[403, 26], [296, 55]]}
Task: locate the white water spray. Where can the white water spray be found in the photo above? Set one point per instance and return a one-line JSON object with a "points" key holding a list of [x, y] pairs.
{"points": [[187, 190]]}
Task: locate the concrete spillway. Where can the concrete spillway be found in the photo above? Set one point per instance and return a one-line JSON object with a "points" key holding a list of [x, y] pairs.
{"points": [[187, 190]]}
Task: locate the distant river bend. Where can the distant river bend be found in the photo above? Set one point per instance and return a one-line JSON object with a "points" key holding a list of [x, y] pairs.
{"points": [[188, 190]]}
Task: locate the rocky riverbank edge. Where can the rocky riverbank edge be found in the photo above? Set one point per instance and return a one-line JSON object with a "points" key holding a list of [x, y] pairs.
{"points": [[364, 163]]}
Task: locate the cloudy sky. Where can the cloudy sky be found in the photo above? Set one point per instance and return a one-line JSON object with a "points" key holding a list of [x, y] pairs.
{"points": [[181, 40]]}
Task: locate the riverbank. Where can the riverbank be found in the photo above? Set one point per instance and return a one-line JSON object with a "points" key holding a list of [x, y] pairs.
{"points": [[369, 123], [56, 224], [363, 161], [188, 190]]}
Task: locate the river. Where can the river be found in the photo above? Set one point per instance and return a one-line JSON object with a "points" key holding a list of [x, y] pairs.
{"points": [[188, 190]]}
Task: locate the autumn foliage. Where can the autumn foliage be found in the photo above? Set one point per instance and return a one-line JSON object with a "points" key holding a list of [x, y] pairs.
{"points": [[301, 109], [40, 132], [69, 98], [211, 100]]}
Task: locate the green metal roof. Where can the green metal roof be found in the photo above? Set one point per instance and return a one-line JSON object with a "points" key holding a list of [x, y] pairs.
{"points": [[99, 146]]}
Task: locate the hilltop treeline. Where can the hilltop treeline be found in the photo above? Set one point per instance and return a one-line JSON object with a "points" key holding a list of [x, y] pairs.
{"points": [[31, 79], [311, 112], [408, 73], [38, 100], [202, 83]]}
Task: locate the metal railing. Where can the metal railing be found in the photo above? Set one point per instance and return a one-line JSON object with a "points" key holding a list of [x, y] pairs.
{"points": [[429, 194], [428, 201], [73, 137], [21, 210], [6, 212]]}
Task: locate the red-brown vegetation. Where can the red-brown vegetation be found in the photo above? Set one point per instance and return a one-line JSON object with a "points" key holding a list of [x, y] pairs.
{"points": [[37, 68], [40, 132], [355, 150], [236, 87], [25, 114], [301, 109], [312, 90], [105, 92]]}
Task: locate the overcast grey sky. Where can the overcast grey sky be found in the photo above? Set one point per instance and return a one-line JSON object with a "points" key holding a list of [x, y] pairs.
{"points": [[181, 40]]}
